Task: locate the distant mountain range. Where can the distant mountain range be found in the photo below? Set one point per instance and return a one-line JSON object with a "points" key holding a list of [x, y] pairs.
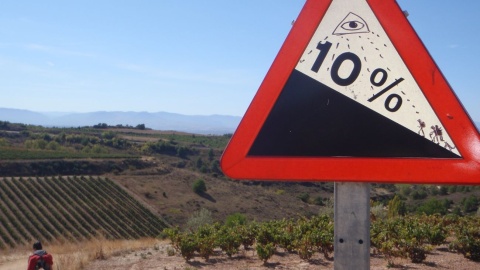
{"points": [[199, 124]]}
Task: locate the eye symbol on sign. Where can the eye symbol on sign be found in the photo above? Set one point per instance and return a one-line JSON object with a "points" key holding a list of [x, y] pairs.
{"points": [[352, 25]]}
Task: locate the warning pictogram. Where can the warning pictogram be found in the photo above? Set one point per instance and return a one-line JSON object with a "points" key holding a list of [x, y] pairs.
{"points": [[351, 24], [357, 99]]}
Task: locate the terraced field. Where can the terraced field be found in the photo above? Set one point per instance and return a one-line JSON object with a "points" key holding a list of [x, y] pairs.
{"points": [[73, 208]]}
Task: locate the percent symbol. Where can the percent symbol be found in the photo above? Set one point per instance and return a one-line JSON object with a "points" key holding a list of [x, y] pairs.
{"points": [[389, 99]]}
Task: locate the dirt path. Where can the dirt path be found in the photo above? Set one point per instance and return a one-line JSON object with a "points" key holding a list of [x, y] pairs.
{"points": [[14, 261], [14, 265], [158, 259]]}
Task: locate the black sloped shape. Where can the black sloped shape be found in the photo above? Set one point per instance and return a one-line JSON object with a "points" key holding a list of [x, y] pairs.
{"points": [[312, 120]]}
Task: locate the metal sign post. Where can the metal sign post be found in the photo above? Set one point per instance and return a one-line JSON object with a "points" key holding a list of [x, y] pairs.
{"points": [[352, 226]]}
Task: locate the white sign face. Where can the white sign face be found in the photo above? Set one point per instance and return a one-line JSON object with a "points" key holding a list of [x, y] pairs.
{"points": [[351, 54]]}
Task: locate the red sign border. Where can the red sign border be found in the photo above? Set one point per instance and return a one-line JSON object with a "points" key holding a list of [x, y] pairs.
{"points": [[237, 164]]}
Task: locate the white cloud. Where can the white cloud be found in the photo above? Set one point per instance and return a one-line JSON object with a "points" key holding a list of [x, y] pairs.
{"points": [[55, 50], [223, 76]]}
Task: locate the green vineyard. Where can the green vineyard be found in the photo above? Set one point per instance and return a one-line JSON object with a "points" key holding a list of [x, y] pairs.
{"points": [[412, 237], [73, 208]]}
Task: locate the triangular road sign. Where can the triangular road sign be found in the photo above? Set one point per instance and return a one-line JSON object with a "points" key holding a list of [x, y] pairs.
{"points": [[353, 95]]}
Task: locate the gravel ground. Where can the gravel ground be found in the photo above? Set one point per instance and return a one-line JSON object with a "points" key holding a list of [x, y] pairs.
{"points": [[158, 258]]}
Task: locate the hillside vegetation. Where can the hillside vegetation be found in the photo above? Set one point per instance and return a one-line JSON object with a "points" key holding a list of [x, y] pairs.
{"points": [[154, 165], [176, 175]]}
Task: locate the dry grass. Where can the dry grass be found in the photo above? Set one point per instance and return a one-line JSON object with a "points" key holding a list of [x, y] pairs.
{"points": [[75, 256]]}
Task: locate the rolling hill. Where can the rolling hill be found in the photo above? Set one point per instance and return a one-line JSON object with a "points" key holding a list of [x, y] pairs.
{"points": [[159, 169], [199, 124]]}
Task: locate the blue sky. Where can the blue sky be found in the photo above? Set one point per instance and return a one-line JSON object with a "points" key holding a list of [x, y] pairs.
{"points": [[189, 57]]}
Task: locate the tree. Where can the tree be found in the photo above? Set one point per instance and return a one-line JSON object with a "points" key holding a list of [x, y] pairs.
{"points": [[100, 125], [53, 145], [211, 154], [215, 167], [109, 135], [182, 152], [199, 163], [4, 142], [434, 206], [396, 207]]}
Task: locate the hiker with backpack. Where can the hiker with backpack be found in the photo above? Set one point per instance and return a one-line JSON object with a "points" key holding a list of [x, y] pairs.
{"points": [[40, 259]]}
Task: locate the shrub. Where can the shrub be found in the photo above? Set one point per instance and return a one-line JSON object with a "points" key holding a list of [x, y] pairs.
{"points": [[188, 245], [404, 190], [199, 186], [304, 197], [182, 152], [418, 194], [378, 211], [206, 238], [199, 219], [229, 240], [170, 251], [305, 246], [199, 163], [53, 145], [327, 209], [468, 239], [248, 233], [4, 142], [265, 251], [318, 201], [452, 189], [235, 220], [407, 236], [470, 204]]}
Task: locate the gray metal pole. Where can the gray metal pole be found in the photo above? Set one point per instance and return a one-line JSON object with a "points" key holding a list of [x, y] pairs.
{"points": [[352, 226]]}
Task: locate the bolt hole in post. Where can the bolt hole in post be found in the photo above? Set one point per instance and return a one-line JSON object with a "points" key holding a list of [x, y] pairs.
{"points": [[352, 220]]}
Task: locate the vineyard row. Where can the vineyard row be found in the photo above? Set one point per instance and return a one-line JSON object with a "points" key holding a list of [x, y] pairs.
{"points": [[73, 208], [411, 237]]}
